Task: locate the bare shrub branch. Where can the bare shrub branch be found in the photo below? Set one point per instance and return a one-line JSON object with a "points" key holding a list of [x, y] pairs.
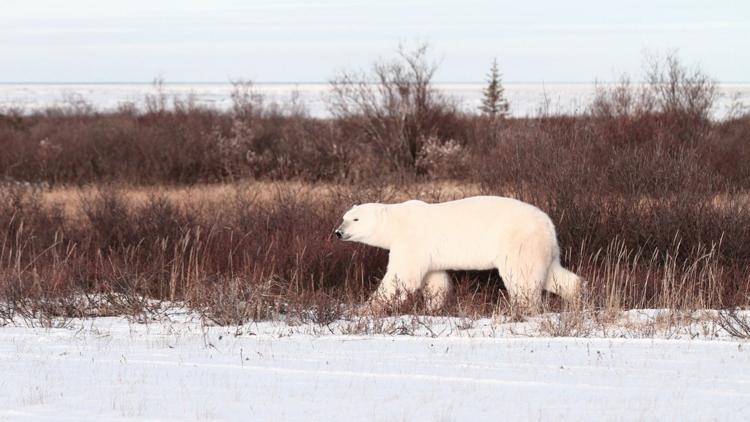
{"points": [[734, 323], [394, 107]]}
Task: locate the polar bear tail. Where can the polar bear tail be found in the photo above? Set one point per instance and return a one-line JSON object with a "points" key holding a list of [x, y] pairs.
{"points": [[563, 283]]}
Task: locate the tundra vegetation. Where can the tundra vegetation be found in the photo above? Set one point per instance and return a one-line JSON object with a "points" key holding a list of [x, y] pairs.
{"points": [[232, 212]]}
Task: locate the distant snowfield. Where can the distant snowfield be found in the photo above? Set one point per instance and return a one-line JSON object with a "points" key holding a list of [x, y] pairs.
{"points": [[526, 99], [110, 369]]}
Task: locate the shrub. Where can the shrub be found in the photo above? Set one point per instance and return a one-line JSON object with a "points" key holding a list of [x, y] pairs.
{"points": [[442, 159], [392, 109]]}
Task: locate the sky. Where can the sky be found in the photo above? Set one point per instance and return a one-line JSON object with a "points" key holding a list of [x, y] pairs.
{"points": [[313, 40]]}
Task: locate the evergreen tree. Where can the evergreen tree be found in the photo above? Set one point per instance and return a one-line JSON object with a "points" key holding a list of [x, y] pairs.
{"points": [[494, 103]]}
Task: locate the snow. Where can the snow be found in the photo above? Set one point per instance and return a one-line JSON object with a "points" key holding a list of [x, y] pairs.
{"points": [[443, 369], [526, 99]]}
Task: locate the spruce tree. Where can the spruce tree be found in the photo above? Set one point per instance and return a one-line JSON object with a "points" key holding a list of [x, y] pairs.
{"points": [[494, 103]]}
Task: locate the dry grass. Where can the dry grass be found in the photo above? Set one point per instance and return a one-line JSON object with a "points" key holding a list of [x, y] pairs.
{"points": [[231, 212], [69, 199], [244, 252]]}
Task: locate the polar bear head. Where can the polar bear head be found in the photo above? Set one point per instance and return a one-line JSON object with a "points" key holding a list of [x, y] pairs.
{"points": [[364, 223]]}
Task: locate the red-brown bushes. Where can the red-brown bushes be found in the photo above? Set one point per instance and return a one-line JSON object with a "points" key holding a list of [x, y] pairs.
{"points": [[254, 257], [648, 196]]}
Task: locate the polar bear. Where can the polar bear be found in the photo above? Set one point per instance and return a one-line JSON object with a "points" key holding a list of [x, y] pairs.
{"points": [[476, 233]]}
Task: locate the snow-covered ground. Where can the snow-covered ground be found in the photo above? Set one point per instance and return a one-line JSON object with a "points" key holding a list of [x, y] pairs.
{"points": [[424, 369], [526, 99]]}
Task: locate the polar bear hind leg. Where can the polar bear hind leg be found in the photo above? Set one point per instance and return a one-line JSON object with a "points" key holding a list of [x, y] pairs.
{"points": [[524, 289], [436, 289], [525, 276]]}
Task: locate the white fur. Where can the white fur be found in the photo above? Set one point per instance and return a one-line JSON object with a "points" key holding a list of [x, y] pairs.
{"points": [[477, 233]]}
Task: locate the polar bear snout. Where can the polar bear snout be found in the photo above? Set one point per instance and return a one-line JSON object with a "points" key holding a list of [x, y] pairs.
{"points": [[340, 233]]}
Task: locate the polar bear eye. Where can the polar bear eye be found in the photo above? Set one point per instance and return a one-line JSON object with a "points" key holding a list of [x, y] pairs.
{"points": [[356, 219]]}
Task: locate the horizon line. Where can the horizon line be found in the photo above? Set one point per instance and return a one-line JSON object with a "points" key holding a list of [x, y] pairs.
{"points": [[229, 82]]}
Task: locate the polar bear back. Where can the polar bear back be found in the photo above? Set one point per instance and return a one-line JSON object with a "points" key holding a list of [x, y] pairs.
{"points": [[475, 233]]}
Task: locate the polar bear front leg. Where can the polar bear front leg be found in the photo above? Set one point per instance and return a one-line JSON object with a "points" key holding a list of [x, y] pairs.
{"points": [[437, 288], [404, 276]]}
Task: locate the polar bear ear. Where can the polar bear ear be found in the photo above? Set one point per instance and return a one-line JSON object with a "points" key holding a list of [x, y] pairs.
{"points": [[383, 211]]}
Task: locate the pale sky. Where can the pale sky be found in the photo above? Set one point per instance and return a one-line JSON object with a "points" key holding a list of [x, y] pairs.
{"points": [[308, 41]]}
